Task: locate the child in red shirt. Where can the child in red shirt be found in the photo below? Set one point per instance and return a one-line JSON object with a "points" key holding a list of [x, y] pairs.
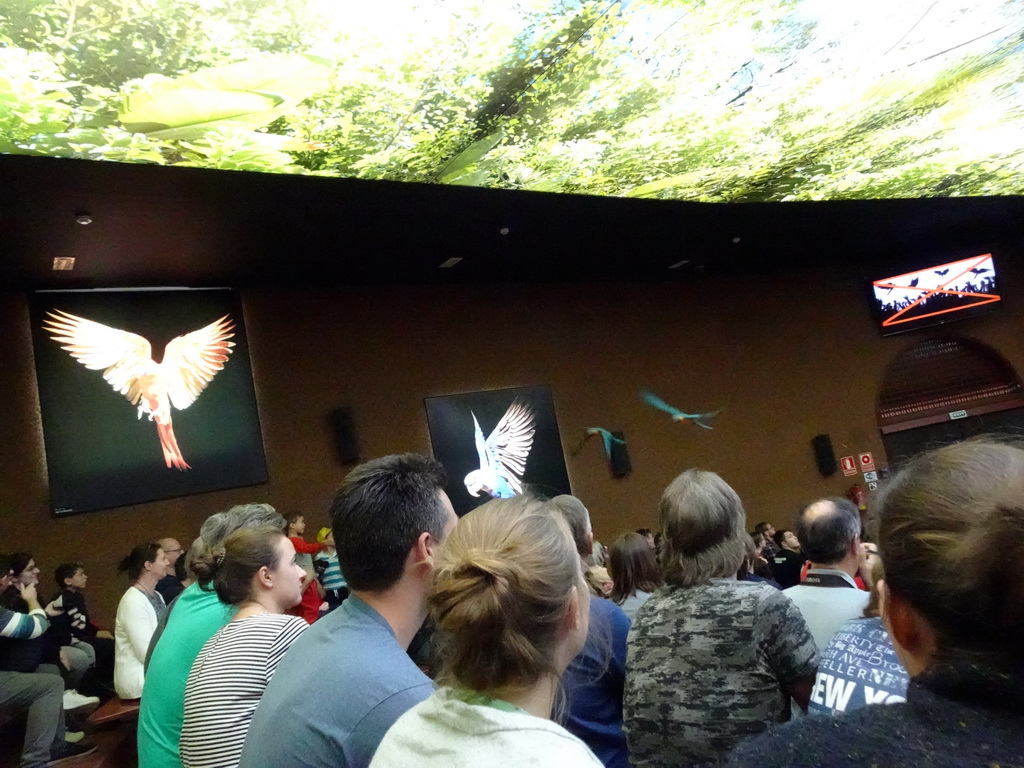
{"points": [[309, 607]]}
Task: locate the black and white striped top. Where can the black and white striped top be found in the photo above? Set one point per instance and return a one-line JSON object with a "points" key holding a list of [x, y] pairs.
{"points": [[226, 683]]}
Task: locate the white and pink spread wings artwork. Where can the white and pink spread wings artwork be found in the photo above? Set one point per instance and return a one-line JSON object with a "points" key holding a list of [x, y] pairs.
{"points": [[189, 363]]}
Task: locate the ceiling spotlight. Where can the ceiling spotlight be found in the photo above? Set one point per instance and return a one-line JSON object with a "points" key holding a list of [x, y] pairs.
{"points": [[449, 263], [736, 239], [503, 231], [679, 264], [84, 219]]}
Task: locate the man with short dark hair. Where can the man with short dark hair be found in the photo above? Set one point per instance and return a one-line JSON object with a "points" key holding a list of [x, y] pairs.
{"points": [[828, 597], [788, 560], [348, 678]]}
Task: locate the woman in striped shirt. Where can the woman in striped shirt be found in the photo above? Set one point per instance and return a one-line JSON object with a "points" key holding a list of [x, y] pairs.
{"points": [[257, 572]]}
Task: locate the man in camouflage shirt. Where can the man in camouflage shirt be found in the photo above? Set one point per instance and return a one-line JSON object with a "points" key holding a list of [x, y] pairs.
{"points": [[711, 660]]}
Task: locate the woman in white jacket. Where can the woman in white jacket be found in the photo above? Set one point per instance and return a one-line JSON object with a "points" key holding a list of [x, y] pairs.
{"points": [[137, 616], [511, 609]]}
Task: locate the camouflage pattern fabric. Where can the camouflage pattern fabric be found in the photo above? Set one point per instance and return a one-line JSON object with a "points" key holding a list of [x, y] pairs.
{"points": [[706, 667]]}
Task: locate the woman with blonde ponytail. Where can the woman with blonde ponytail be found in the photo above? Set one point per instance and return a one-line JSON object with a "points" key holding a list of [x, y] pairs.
{"points": [[510, 605]]}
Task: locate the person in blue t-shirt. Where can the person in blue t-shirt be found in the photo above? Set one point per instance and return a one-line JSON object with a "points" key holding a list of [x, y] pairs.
{"points": [[859, 666], [348, 678], [595, 679]]}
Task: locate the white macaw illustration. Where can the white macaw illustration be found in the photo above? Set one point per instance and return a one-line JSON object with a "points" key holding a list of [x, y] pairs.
{"points": [[503, 454], [189, 363]]}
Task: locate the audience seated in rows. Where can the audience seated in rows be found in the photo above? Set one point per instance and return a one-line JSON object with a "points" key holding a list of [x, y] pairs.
{"points": [[829, 534], [950, 533], [256, 572], [511, 609], [140, 609], [711, 660], [859, 666], [594, 678], [633, 567], [36, 695], [196, 616], [349, 678]]}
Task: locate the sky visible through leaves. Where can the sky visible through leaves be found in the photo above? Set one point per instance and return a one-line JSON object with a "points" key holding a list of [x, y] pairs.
{"points": [[705, 100]]}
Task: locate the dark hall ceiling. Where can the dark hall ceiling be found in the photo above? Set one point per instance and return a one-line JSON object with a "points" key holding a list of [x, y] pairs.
{"points": [[153, 225]]}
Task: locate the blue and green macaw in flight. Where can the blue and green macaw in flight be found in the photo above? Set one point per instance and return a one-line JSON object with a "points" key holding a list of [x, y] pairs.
{"points": [[677, 415], [503, 454], [607, 437]]}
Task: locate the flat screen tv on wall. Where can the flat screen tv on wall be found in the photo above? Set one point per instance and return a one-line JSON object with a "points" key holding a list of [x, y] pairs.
{"points": [[733, 100], [938, 294], [121, 428]]}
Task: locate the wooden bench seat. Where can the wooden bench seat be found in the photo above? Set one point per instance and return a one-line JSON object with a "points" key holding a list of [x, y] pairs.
{"points": [[116, 710]]}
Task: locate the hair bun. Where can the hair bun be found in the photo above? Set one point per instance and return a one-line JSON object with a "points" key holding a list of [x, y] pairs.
{"points": [[479, 564]]}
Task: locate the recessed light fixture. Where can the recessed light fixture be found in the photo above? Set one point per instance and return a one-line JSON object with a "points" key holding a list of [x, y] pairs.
{"points": [[736, 239], [449, 263], [503, 231], [679, 264], [83, 218], [63, 263]]}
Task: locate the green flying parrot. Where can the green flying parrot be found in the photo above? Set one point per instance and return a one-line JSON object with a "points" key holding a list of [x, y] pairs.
{"points": [[677, 415]]}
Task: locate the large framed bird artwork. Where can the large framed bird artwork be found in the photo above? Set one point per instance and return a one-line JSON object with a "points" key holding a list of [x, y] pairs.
{"points": [[144, 395], [497, 444]]}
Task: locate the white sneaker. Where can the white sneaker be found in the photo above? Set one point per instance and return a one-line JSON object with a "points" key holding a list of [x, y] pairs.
{"points": [[74, 700]]}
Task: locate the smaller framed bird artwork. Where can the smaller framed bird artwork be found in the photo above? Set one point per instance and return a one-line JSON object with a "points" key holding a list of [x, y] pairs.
{"points": [[497, 444], [145, 395]]}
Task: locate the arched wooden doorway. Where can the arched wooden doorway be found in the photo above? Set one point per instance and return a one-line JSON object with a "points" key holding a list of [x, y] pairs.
{"points": [[944, 390]]}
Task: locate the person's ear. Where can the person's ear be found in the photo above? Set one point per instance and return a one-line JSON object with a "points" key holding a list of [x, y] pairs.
{"points": [[265, 577], [573, 612], [590, 544], [426, 548], [912, 636]]}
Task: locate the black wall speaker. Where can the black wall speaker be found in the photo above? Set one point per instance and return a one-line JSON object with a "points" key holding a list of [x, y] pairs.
{"points": [[343, 425], [824, 455], [621, 465]]}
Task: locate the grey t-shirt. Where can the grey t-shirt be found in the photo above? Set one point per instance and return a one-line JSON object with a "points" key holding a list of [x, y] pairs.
{"points": [[341, 685], [707, 666]]}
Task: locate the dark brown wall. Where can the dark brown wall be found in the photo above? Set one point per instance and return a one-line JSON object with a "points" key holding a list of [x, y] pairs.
{"points": [[790, 357]]}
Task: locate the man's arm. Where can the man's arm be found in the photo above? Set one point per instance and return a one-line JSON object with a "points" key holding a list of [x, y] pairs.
{"points": [[24, 626]]}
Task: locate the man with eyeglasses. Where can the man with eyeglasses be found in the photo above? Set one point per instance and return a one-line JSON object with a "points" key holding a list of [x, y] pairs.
{"points": [[170, 585]]}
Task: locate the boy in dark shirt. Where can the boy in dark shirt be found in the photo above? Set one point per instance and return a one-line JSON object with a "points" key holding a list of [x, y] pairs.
{"points": [[87, 645]]}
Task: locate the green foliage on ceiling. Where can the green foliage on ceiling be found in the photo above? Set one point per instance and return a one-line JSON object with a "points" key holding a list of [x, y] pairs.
{"points": [[733, 100]]}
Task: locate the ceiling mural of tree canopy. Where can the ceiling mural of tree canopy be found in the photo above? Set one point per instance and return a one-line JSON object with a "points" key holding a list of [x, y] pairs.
{"points": [[707, 100]]}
